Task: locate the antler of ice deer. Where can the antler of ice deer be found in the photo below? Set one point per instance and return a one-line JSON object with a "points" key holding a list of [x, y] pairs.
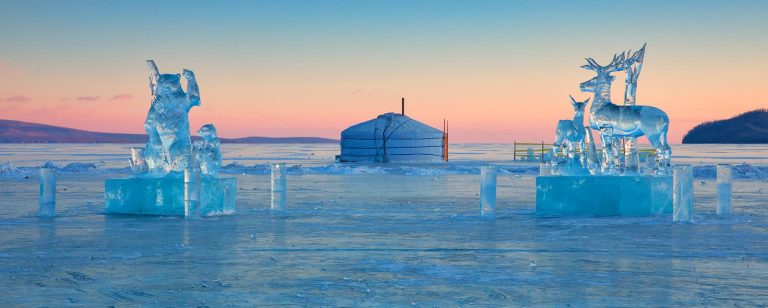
{"points": [[619, 63]]}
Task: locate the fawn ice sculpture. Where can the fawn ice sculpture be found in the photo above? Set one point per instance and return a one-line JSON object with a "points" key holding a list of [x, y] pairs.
{"points": [[571, 132]]}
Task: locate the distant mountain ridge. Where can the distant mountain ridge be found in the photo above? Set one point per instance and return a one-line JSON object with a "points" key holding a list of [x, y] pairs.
{"points": [[749, 127], [24, 132]]}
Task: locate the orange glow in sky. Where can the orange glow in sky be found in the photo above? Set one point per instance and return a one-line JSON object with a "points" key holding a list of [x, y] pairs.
{"points": [[499, 72]]}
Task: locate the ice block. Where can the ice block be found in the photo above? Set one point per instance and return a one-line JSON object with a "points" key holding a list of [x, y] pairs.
{"points": [[192, 188], [488, 191], [683, 193], [166, 196], [47, 192], [724, 183], [278, 186], [605, 195]]}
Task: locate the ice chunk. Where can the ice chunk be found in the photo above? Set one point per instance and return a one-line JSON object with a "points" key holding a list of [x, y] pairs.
{"points": [[724, 181], [683, 193], [488, 191], [165, 196], [606, 195], [47, 192], [167, 124], [545, 169], [138, 163], [207, 150], [278, 186]]}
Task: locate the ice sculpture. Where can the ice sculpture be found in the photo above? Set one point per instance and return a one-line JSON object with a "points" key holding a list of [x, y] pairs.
{"points": [[278, 186], [682, 193], [634, 66], [488, 191], [167, 125], [570, 132], [615, 121], [724, 183], [611, 182], [167, 177], [47, 192], [207, 150]]}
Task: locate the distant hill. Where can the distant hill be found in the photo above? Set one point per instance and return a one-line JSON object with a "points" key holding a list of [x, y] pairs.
{"points": [[23, 132], [749, 127]]}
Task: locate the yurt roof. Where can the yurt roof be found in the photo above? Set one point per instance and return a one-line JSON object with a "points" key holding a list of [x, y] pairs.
{"points": [[397, 126]]}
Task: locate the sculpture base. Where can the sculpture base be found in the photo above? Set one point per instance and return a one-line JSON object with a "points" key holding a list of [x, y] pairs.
{"points": [[165, 196], [592, 196]]}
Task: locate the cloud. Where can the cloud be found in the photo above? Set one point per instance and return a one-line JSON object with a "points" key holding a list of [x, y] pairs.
{"points": [[16, 99], [88, 98], [120, 97]]}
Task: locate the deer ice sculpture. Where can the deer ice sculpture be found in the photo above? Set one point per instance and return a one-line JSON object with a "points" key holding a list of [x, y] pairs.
{"points": [[614, 121], [571, 132]]}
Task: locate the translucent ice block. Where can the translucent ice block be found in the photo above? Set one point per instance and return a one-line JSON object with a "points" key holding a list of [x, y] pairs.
{"points": [[192, 187], [278, 186], [683, 193], [47, 192], [724, 182], [165, 196], [488, 190], [608, 195]]}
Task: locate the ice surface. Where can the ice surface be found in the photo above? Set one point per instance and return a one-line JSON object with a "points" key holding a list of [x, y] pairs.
{"points": [[724, 183], [47, 192], [207, 150], [278, 186], [592, 196], [488, 191], [167, 124], [367, 235], [166, 196], [683, 193]]}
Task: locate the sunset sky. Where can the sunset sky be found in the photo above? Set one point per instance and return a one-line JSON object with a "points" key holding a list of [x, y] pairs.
{"points": [[499, 71]]}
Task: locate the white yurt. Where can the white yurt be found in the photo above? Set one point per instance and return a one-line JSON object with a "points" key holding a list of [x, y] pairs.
{"points": [[392, 137]]}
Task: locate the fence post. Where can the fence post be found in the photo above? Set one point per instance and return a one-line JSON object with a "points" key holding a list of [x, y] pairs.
{"points": [[514, 150]]}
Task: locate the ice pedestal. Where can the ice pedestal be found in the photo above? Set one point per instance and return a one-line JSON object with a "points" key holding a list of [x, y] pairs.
{"points": [[488, 191], [724, 183], [47, 192], [166, 196], [584, 195], [683, 193], [278, 186]]}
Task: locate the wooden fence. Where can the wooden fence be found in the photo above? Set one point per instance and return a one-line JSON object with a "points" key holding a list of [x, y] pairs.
{"points": [[538, 151]]}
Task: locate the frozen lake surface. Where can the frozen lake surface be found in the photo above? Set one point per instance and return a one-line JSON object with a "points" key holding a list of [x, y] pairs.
{"points": [[374, 235]]}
